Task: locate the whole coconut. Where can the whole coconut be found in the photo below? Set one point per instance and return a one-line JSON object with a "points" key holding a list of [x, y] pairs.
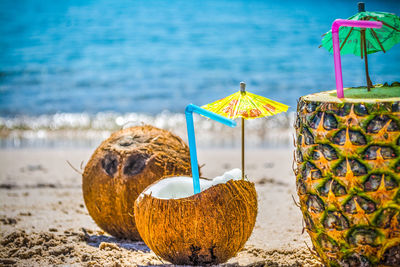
{"points": [[122, 167], [203, 229]]}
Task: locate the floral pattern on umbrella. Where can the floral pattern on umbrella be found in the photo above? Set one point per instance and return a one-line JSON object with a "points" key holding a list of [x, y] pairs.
{"points": [[246, 105]]}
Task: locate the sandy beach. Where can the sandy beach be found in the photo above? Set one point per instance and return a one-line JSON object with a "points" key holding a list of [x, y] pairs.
{"points": [[44, 220]]}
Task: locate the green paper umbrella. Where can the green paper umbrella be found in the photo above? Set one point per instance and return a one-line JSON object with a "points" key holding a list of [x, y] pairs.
{"points": [[362, 42]]}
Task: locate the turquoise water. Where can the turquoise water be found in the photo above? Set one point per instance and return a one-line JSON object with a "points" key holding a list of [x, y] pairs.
{"points": [[149, 56], [86, 64]]}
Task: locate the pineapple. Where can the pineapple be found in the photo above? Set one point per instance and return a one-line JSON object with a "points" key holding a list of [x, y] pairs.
{"points": [[348, 175]]}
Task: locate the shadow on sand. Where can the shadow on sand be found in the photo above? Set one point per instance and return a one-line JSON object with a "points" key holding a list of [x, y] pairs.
{"points": [[100, 241]]}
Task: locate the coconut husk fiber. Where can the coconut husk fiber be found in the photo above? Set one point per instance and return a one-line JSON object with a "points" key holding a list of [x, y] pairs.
{"points": [[122, 167], [207, 228]]}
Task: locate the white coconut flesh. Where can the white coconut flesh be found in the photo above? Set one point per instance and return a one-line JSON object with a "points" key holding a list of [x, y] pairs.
{"points": [[182, 186]]}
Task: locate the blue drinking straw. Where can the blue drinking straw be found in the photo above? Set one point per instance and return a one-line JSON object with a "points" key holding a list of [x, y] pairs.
{"points": [[192, 140]]}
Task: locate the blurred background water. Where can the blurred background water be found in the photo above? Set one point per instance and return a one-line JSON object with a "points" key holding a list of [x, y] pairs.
{"points": [[78, 69]]}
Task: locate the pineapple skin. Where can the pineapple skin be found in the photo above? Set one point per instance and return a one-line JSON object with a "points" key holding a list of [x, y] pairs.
{"points": [[348, 178]]}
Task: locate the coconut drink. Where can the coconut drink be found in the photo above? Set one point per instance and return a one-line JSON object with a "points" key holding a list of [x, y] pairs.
{"points": [[197, 229], [122, 167], [193, 221], [348, 171]]}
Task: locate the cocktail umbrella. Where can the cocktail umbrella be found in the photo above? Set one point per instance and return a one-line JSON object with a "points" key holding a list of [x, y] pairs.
{"points": [[247, 106], [362, 41]]}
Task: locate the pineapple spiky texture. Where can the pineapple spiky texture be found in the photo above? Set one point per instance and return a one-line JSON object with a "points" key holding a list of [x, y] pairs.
{"points": [[348, 177]]}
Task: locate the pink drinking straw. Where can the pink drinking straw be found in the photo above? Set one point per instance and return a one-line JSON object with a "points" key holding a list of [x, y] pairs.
{"points": [[336, 49]]}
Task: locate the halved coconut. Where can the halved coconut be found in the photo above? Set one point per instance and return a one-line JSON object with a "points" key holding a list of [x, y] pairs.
{"points": [[122, 167], [206, 228]]}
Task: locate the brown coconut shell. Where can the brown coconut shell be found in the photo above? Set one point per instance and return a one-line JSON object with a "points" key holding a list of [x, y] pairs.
{"points": [[122, 167], [206, 228]]}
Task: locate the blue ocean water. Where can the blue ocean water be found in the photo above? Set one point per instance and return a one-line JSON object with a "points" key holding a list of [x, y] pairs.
{"points": [[73, 71], [146, 56]]}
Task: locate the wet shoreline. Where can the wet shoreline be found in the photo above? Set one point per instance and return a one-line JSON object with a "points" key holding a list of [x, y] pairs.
{"points": [[76, 130]]}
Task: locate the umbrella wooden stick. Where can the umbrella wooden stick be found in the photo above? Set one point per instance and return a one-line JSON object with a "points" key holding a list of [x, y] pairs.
{"points": [[364, 42], [361, 45], [242, 148], [361, 8], [243, 90]]}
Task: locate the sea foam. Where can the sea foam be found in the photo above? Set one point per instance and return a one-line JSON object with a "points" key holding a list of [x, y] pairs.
{"points": [[87, 130]]}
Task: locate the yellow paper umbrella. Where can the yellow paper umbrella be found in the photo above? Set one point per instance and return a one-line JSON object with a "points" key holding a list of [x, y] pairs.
{"points": [[247, 106]]}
